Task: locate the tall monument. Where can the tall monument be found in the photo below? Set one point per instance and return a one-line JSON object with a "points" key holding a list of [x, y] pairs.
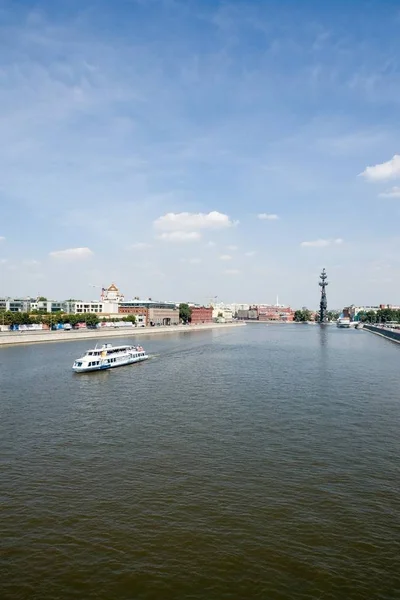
{"points": [[323, 305]]}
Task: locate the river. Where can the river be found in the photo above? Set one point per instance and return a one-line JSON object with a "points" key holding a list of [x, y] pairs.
{"points": [[258, 462]]}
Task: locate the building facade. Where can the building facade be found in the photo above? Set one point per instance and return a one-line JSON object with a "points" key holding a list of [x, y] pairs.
{"points": [[141, 313], [158, 313], [15, 304], [112, 294], [201, 314], [250, 314], [222, 312], [275, 313]]}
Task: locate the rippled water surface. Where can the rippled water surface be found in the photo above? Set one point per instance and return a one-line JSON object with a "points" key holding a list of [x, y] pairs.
{"points": [[260, 462]]}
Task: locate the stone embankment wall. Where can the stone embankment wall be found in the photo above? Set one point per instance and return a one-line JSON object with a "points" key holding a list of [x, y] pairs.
{"points": [[390, 334], [35, 337]]}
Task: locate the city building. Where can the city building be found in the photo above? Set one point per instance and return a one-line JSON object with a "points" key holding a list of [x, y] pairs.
{"points": [[112, 295], [15, 304], [275, 312], [201, 314], [222, 313], [267, 312], [141, 312], [158, 313], [48, 306], [77, 307], [352, 311], [250, 314]]}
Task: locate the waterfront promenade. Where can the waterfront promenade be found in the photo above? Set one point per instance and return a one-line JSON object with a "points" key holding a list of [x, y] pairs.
{"points": [[11, 338], [387, 332]]}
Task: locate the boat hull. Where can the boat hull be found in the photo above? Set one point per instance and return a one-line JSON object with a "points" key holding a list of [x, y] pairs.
{"points": [[106, 365]]}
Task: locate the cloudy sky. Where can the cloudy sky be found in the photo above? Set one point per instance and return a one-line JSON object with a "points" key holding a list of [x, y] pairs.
{"points": [[187, 149]]}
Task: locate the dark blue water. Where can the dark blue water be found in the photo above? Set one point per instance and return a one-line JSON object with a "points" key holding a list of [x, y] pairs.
{"points": [[259, 462]]}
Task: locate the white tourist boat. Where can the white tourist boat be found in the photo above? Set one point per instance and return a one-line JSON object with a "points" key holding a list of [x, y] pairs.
{"points": [[345, 323], [108, 356]]}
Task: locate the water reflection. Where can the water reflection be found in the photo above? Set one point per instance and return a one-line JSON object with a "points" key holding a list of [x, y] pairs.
{"points": [[323, 332]]}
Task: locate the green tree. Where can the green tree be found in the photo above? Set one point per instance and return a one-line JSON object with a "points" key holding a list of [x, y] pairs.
{"points": [[42, 299], [185, 312], [15, 318], [302, 316], [91, 319], [129, 319], [333, 315]]}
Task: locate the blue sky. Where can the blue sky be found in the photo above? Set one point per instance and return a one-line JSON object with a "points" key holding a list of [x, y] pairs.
{"points": [[186, 149]]}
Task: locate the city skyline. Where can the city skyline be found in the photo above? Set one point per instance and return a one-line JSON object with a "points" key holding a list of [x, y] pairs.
{"points": [[193, 150]]}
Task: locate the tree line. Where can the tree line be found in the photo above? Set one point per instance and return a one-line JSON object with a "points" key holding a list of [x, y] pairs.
{"points": [[304, 315], [383, 315], [24, 318]]}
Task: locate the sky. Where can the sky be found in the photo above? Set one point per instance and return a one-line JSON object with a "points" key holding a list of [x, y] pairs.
{"points": [[188, 149]]}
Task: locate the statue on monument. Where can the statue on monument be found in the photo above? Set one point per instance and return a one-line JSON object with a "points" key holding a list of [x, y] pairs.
{"points": [[323, 305]]}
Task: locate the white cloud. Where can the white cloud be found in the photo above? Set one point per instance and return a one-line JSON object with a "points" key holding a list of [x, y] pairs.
{"points": [[72, 254], [321, 243], [383, 171], [250, 253], [193, 221], [267, 217], [2, 238], [140, 246], [392, 193], [225, 257], [233, 248], [231, 272], [180, 236]]}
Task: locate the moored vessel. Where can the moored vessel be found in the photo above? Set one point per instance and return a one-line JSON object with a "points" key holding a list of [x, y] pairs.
{"points": [[345, 323], [108, 356]]}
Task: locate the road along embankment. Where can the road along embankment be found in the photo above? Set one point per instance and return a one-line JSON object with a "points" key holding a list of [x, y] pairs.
{"points": [[34, 337], [391, 334]]}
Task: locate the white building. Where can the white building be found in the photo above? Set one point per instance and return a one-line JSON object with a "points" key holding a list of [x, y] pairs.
{"points": [[15, 304], [222, 312], [112, 294], [49, 306], [77, 307]]}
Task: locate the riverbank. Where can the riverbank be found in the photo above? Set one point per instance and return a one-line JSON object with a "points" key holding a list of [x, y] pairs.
{"points": [[13, 338], [390, 334]]}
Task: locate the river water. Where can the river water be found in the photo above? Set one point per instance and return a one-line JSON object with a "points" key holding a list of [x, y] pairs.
{"points": [[258, 462]]}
